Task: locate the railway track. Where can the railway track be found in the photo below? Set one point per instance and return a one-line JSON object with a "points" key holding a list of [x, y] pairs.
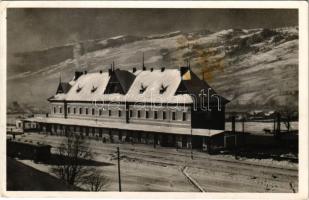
{"points": [[167, 157]]}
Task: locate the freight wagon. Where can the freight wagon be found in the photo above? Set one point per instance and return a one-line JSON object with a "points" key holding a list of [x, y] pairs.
{"points": [[27, 150]]}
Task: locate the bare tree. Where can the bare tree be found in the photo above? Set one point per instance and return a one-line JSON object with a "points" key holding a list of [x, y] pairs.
{"points": [[287, 115], [95, 181], [73, 165], [72, 154], [287, 112]]}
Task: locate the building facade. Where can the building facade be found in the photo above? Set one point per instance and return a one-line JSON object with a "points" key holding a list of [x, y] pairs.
{"points": [[168, 107]]}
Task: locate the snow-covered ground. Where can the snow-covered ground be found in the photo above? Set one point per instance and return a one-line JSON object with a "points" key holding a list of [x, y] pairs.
{"points": [[144, 168], [257, 127]]}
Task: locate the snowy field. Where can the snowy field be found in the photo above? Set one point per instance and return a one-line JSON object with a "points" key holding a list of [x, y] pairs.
{"points": [[257, 127], [144, 168]]}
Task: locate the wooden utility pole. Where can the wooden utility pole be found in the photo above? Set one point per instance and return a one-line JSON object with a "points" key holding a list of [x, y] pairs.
{"points": [[191, 145], [243, 131], [278, 123], [235, 136], [119, 177], [233, 124], [243, 125], [274, 128]]}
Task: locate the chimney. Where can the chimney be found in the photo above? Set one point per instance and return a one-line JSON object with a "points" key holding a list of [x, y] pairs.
{"points": [[134, 69], [77, 75], [110, 70], [162, 69], [183, 70], [144, 68], [151, 69]]}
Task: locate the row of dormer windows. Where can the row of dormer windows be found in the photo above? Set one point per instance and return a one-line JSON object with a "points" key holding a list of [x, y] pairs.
{"points": [[132, 113]]}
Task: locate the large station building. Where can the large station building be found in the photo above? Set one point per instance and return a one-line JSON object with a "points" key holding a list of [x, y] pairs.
{"points": [[167, 107]]}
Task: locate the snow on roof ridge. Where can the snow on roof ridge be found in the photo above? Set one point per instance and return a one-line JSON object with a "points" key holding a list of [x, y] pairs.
{"points": [[154, 80]]}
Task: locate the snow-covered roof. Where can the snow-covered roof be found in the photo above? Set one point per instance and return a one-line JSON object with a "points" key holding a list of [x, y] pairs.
{"points": [[126, 126], [87, 87], [91, 87], [153, 81], [152, 86]]}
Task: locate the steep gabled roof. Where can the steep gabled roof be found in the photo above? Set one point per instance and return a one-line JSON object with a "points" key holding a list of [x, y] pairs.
{"points": [[194, 86], [82, 88], [160, 86], [153, 82], [125, 78], [63, 87]]}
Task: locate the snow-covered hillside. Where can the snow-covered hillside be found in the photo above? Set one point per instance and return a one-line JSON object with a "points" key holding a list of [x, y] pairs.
{"points": [[255, 68]]}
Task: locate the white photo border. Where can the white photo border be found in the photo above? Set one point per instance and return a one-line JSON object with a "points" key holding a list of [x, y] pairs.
{"points": [[302, 7]]}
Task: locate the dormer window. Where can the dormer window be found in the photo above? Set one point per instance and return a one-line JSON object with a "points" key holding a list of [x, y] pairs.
{"points": [[163, 89], [78, 89], [93, 89], [143, 88]]}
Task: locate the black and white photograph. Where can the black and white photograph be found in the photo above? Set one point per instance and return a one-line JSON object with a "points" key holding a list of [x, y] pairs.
{"points": [[154, 99]]}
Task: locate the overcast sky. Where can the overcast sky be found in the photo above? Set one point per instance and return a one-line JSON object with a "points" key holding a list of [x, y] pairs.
{"points": [[34, 29]]}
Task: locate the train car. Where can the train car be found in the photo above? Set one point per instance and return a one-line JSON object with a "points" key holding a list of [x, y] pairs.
{"points": [[27, 150]]}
